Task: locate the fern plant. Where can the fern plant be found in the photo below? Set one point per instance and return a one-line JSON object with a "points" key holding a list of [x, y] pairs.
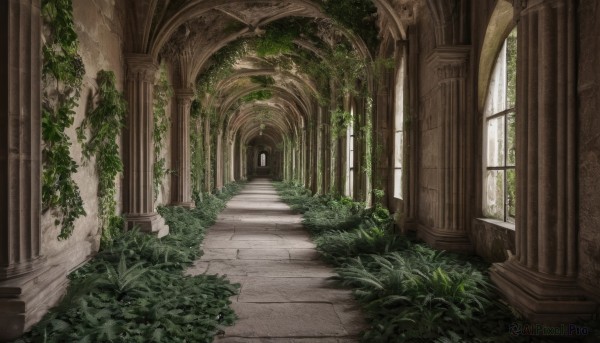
{"points": [[134, 290]]}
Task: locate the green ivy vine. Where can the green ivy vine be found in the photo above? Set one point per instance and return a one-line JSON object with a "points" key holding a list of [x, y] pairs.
{"points": [[197, 150], [340, 120], [62, 77], [359, 16], [259, 95], [104, 124], [263, 80], [162, 94]]}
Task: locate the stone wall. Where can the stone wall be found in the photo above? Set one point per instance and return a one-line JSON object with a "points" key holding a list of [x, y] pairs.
{"points": [[100, 26], [589, 144]]}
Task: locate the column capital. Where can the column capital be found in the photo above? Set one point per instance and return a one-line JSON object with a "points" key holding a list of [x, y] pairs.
{"points": [[141, 66], [184, 94], [450, 62]]}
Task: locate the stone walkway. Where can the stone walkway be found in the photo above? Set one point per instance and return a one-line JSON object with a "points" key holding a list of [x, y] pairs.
{"points": [[260, 243]]}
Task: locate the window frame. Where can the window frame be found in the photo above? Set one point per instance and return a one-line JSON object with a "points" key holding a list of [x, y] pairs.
{"points": [[509, 109]]}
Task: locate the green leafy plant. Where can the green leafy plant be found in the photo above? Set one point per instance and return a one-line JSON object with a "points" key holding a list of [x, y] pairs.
{"points": [[258, 95], [359, 16], [410, 292], [104, 124], [263, 80], [134, 290], [162, 94], [340, 120], [197, 150], [62, 76]]}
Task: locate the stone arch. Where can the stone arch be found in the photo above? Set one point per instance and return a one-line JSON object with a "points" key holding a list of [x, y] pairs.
{"points": [[500, 25]]}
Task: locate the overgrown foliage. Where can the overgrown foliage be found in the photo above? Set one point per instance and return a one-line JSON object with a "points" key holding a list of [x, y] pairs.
{"points": [[263, 80], [62, 76], [197, 149], [162, 94], [411, 293], [134, 290], [259, 95], [359, 16], [340, 120], [220, 66], [104, 124]]}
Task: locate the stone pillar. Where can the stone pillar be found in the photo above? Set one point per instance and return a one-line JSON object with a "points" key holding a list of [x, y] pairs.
{"points": [[138, 193], [182, 185], [541, 280], [449, 232], [28, 286]]}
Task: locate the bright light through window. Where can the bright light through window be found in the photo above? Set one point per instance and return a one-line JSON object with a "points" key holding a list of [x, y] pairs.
{"points": [[500, 130]]}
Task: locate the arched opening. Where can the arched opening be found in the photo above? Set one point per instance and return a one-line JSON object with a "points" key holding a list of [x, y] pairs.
{"points": [[262, 159]]}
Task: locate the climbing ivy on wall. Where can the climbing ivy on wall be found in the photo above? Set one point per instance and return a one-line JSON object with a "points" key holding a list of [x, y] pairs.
{"points": [[340, 120], [197, 150], [104, 124], [62, 76], [162, 93]]}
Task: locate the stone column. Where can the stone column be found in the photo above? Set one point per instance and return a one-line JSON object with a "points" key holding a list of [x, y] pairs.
{"points": [[182, 185], [541, 280], [449, 232], [28, 286], [138, 193]]}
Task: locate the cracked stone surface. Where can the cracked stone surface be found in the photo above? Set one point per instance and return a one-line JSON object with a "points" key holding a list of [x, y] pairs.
{"points": [[285, 296]]}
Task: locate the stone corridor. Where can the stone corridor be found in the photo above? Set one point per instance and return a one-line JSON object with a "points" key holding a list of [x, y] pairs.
{"points": [[285, 295]]}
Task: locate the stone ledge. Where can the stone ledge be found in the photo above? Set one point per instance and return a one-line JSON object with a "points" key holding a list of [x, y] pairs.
{"points": [[452, 241], [25, 300]]}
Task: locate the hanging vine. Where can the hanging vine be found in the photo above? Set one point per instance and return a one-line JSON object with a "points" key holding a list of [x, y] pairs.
{"points": [[340, 120], [104, 124], [62, 77], [162, 93], [197, 151]]}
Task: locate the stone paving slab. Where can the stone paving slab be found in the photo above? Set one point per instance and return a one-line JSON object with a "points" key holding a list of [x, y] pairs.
{"points": [[285, 296], [263, 254], [292, 290], [270, 268], [210, 243], [286, 320], [286, 340]]}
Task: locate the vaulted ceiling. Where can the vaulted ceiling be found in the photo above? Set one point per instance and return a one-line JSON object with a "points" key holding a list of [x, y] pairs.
{"points": [[194, 35]]}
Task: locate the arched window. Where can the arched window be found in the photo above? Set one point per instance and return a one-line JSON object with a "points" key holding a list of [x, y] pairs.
{"points": [[500, 133], [399, 131], [262, 159], [350, 156]]}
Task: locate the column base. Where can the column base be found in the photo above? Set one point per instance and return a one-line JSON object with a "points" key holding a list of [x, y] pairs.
{"points": [[187, 204], [542, 298], [151, 223], [451, 241], [25, 300]]}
